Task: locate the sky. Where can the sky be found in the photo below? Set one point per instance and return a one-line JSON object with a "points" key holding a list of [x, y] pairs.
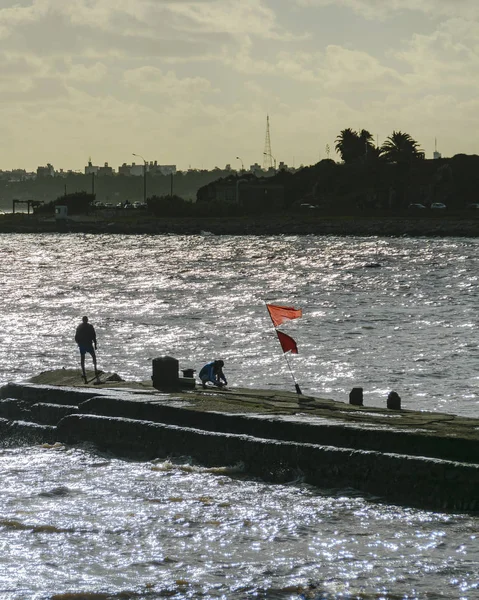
{"points": [[191, 82]]}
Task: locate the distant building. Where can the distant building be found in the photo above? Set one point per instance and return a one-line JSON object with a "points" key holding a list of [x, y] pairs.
{"points": [[154, 168], [61, 212], [17, 175], [91, 169], [436, 155], [62, 173], [137, 170], [47, 171], [124, 170], [105, 170], [249, 193], [161, 169]]}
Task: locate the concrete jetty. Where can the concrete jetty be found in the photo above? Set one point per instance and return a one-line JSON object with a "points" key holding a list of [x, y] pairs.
{"points": [[423, 459]]}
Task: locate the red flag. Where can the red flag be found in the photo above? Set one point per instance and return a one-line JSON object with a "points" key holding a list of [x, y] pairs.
{"points": [[280, 314], [287, 343]]}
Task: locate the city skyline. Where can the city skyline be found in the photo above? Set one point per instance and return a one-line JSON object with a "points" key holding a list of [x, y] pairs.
{"points": [[191, 82], [137, 169]]}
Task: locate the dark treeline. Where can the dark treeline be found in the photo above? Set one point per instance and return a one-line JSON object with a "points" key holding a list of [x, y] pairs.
{"points": [[387, 178]]}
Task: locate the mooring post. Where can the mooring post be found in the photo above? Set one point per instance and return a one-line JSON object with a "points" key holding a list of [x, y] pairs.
{"points": [[394, 401], [356, 396]]}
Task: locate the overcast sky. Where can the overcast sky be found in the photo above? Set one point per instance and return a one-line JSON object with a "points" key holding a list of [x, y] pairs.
{"points": [[190, 82]]}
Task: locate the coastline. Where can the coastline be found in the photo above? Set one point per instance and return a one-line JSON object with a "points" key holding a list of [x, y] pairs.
{"points": [[286, 224]]}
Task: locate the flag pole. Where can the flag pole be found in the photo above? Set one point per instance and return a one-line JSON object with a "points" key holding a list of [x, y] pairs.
{"points": [[296, 385]]}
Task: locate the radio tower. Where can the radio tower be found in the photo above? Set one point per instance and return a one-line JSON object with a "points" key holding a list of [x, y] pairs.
{"points": [[267, 158]]}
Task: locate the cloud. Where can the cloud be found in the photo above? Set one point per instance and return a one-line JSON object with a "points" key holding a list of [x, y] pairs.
{"points": [[338, 68], [153, 81], [379, 9], [88, 74], [107, 77], [73, 26], [446, 58]]}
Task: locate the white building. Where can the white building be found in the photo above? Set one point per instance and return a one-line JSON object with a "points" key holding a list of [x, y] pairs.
{"points": [[154, 167], [151, 167], [47, 171], [137, 170], [91, 169]]}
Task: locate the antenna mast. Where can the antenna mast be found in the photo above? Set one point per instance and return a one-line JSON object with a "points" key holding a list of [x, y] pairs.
{"points": [[267, 158]]}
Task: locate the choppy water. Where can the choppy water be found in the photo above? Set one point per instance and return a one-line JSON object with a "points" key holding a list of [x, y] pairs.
{"points": [[97, 524], [73, 521], [410, 325]]}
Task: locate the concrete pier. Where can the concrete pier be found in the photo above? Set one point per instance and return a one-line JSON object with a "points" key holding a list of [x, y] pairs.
{"points": [[421, 459]]}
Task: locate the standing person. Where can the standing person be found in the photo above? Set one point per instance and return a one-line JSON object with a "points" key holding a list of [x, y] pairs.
{"points": [[85, 337], [213, 371]]}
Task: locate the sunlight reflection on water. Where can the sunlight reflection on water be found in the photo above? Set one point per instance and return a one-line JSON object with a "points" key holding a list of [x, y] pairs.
{"points": [[75, 521], [71, 520], [408, 325]]}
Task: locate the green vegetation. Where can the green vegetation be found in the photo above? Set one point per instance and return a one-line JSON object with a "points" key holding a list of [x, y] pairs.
{"points": [[78, 203]]}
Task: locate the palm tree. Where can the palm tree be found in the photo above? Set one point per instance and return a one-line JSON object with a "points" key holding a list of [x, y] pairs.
{"points": [[400, 148], [366, 142], [347, 145], [352, 145]]}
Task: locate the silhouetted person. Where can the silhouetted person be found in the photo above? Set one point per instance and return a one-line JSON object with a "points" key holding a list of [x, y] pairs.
{"points": [[213, 371], [85, 337]]}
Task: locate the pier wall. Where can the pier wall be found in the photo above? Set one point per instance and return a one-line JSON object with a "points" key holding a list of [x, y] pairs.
{"points": [[366, 438], [272, 448]]}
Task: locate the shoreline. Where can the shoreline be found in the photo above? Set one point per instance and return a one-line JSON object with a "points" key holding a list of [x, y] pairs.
{"points": [[317, 224]]}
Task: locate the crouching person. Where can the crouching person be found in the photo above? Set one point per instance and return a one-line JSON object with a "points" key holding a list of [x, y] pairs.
{"points": [[213, 372]]}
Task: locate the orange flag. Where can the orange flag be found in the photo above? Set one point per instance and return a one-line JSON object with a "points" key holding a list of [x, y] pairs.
{"points": [[287, 342], [280, 314]]}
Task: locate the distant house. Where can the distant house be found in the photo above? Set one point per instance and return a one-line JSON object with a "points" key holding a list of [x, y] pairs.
{"points": [[105, 170], [249, 193], [124, 170], [61, 212], [138, 170], [256, 169], [47, 171], [17, 175], [91, 169], [151, 167], [157, 169]]}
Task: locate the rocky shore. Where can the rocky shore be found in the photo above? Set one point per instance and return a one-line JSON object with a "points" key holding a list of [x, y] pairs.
{"points": [[312, 223]]}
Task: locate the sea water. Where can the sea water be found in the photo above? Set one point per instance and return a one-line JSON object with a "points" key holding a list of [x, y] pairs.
{"points": [[382, 314]]}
